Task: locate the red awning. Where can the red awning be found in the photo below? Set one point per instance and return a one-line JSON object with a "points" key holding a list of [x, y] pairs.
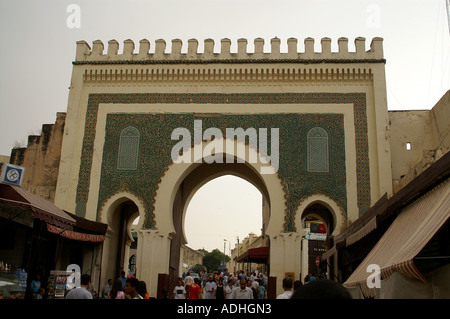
{"points": [[75, 235], [39, 207], [255, 255]]}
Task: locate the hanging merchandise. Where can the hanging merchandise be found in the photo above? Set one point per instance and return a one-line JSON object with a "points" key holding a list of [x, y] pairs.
{"points": [[57, 284]]}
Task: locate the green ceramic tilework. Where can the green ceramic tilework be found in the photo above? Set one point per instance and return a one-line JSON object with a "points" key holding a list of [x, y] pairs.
{"points": [[156, 145]]}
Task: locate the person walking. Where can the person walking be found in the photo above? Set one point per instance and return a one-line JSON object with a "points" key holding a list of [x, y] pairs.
{"points": [[188, 280], [297, 284], [143, 290], [254, 291], [194, 290], [131, 289], [41, 293], [229, 288], [261, 290], [210, 288], [242, 292], [287, 286], [179, 292], [220, 290], [123, 279], [107, 288], [35, 286], [116, 290], [242, 275], [82, 291]]}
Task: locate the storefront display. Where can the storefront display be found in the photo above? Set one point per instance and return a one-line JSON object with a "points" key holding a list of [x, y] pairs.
{"points": [[57, 284], [12, 283], [38, 236]]}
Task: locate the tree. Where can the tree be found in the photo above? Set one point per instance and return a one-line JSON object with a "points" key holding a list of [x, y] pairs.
{"points": [[214, 259]]}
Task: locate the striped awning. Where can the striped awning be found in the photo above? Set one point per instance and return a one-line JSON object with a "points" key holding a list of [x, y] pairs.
{"points": [[75, 235], [39, 207], [364, 231], [414, 227]]}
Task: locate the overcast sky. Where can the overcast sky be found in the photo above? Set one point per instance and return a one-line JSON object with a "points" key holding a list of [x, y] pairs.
{"points": [[38, 45]]}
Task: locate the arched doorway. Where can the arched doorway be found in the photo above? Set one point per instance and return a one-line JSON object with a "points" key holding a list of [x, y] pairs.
{"points": [[160, 246], [222, 210], [197, 179], [119, 214], [318, 225], [323, 210], [121, 242]]}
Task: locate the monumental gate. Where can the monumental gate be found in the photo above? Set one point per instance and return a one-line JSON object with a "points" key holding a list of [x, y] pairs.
{"points": [[146, 128]]}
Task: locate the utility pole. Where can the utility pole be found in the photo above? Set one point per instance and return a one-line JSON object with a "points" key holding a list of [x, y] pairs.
{"points": [[224, 242], [238, 247], [447, 4]]}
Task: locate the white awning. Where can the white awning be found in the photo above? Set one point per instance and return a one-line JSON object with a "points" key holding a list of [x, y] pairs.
{"points": [[405, 238]]}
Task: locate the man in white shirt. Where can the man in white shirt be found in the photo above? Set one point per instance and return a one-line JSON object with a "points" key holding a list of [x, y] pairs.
{"points": [[287, 286], [229, 288], [82, 291], [242, 292], [210, 286], [131, 289], [255, 284]]}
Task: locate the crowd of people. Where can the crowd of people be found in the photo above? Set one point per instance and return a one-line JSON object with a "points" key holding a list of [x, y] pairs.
{"points": [[214, 285], [222, 285], [121, 288], [217, 285], [125, 288]]}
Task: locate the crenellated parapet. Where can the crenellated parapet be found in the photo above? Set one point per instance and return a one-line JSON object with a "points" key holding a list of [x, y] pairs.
{"points": [[98, 54]]}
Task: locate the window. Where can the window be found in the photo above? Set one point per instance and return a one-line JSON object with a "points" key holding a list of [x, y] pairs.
{"points": [[408, 146], [128, 149], [317, 150]]}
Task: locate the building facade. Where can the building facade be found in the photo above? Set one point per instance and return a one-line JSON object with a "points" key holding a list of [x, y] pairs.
{"points": [[144, 130]]}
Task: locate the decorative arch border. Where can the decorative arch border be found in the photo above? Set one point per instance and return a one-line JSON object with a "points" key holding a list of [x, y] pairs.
{"points": [[114, 200], [360, 120], [336, 210], [175, 174]]}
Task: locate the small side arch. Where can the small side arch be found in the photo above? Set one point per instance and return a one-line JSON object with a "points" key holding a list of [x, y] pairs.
{"points": [[118, 212], [114, 201], [337, 212]]}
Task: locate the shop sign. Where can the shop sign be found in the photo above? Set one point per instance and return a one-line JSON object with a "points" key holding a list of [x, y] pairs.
{"points": [[12, 174], [315, 236]]}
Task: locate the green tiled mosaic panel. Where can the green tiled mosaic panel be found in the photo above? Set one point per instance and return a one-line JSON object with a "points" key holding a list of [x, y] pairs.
{"points": [[155, 131]]}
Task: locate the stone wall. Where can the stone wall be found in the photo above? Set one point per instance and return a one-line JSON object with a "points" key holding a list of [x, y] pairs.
{"points": [[191, 257], [418, 139], [41, 159]]}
